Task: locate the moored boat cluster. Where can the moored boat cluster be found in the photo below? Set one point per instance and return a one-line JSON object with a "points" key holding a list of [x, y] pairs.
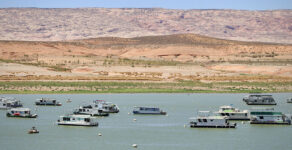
{"points": [[85, 115]]}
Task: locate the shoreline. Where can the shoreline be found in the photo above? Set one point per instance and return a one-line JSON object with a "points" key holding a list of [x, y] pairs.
{"points": [[75, 87]]}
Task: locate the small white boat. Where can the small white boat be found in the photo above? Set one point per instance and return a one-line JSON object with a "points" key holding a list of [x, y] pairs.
{"points": [[268, 116], [204, 120], [69, 100], [9, 102], [77, 120], [233, 113], [20, 113], [148, 111], [33, 130], [47, 102], [289, 100]]}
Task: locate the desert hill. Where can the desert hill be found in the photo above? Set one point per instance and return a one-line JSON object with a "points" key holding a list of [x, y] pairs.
{"points": [[35, 24], [180, 47]]}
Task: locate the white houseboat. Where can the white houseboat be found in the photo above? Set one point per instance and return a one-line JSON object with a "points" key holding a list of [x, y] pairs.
{"points": [[77, 120], [9, 102], [148, 111], [233, 113], [48, 102], [259, 99], [90, 111], [107, 107], [268, 116], [204, 120], [20, 112]]}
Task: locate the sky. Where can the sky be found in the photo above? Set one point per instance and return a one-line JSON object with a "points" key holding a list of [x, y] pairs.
{"points": [[169, 4]]}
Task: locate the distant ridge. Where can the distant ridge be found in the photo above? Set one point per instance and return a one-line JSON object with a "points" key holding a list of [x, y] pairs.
{"points": [[50, 24]]}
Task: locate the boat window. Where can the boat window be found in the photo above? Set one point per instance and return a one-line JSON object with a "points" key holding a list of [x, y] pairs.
{"points": [[4, 104], [245, 114], [12, 112], [204, 120], [211, 120], [261, 117], [26, 112], [87, 120], [232, 114], [199, 120], [66, 119]]}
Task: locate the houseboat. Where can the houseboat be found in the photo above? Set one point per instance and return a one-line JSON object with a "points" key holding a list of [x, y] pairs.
{"points": [[90, 111], [21, 113], [47, 102], [259, 99], [9, 102], [268, 116], [107, 107], [204, 120], [289, 100], [77, 120], [148, 111], [233, 113]]}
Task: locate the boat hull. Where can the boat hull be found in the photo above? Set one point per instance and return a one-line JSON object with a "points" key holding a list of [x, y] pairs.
{"points": [[17, 116], [271, 123], [145, 113], [260, 104], [198, 126], [41, 104], [85, 125]]}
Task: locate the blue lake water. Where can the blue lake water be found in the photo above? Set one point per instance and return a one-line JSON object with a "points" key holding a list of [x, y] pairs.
{"points": [[119, 131]]}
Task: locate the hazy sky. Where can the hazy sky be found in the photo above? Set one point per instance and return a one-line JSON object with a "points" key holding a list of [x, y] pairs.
{"points": [[173, 4]]}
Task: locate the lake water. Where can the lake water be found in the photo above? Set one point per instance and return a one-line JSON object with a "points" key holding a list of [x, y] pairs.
{"points": [[119, 131]]}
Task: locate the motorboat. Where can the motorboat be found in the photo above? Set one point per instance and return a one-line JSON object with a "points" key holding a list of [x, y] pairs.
{"points": [[233, 113], [48, 102], [259, 99], [205, 120], [268, 116], [77, 120], [20, 113], [148, 111], [33, 130], [9, 102]]}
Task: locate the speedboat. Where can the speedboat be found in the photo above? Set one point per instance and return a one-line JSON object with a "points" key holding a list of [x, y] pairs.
{"points": [[268, 116], [204, 120], [20, 113], [259, 99], [33, 130], [233, 113], [47, 102], [148, 111], [77, 120], [9, 102]]}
